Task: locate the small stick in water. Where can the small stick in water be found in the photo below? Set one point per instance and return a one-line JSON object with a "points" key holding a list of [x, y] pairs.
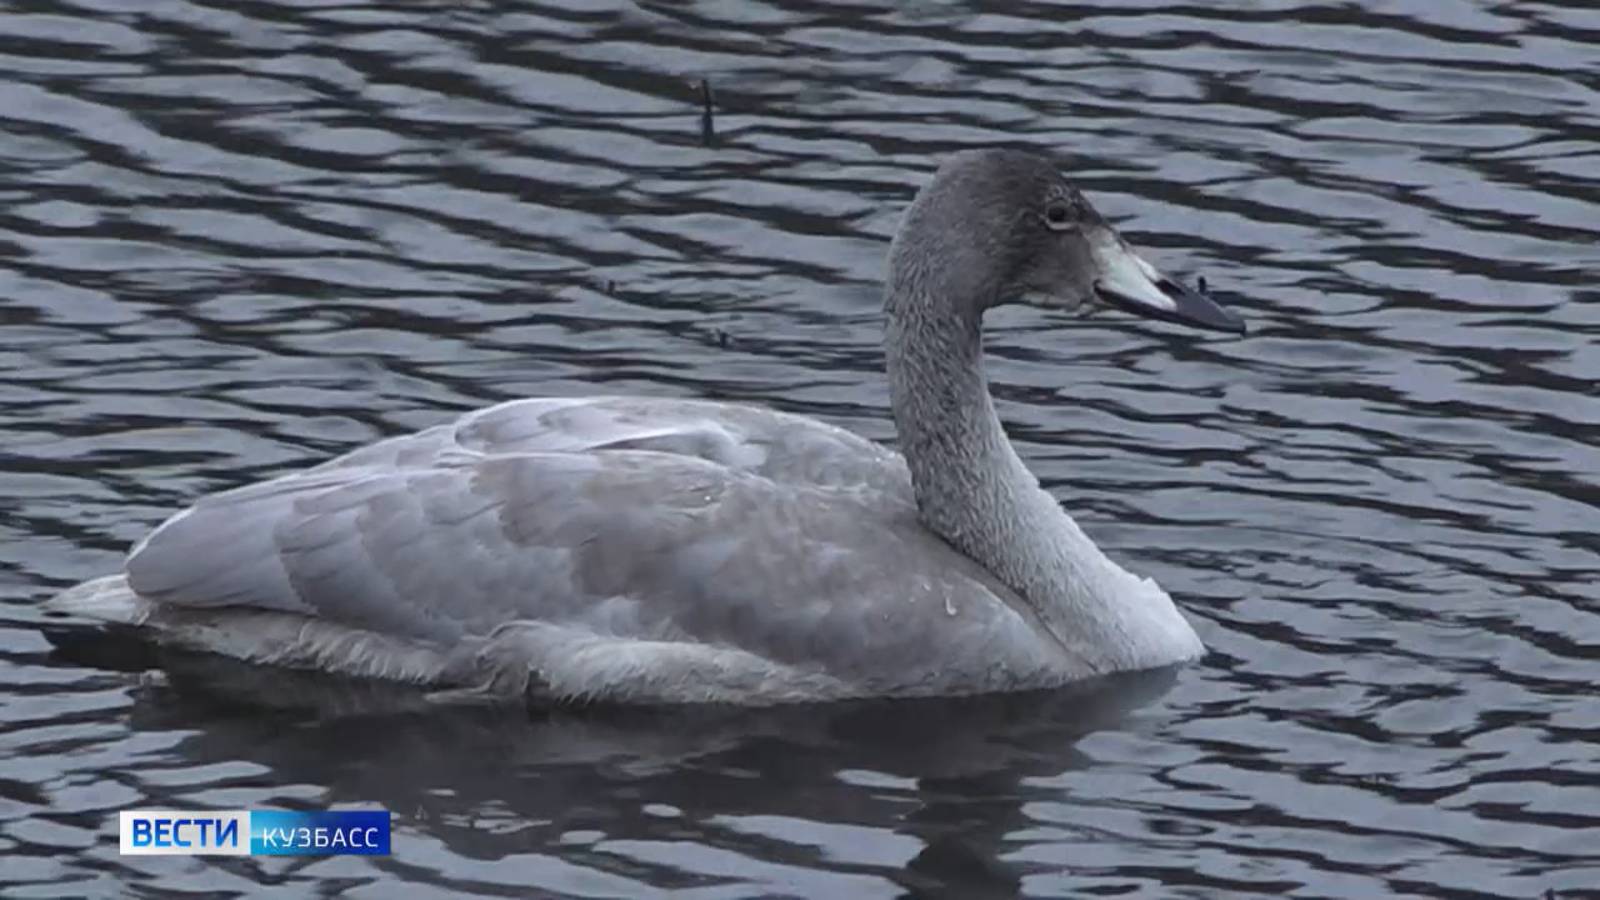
{"points": [[708, 132], [1200, 280]]}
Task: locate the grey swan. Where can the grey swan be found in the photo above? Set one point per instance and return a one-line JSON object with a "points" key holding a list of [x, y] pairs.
{"points": [[663, 551]]}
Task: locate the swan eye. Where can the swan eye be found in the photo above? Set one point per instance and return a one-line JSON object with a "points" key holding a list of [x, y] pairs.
{"points": [[1057, 215]]}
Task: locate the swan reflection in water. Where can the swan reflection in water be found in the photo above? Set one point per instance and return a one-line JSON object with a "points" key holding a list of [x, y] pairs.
{"points": [[946, 778]]}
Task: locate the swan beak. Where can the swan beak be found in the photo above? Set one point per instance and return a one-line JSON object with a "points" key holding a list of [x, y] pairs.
{"points": [[1126, 280]]}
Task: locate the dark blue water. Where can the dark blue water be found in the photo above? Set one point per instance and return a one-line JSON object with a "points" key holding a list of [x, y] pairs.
{"points": [[241, 237]]}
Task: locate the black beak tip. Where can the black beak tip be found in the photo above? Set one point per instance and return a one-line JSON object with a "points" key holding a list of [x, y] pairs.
{"points": [[1189, 307], [1195, 307]]}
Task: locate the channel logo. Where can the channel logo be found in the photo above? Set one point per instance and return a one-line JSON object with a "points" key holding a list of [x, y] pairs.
{"points": [[257, 832]]}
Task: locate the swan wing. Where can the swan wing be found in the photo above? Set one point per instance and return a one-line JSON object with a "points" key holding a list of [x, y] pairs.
{"points": [[612, 550]]}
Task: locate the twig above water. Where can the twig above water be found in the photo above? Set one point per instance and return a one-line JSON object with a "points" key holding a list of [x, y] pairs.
{"points": [[708, 132]]}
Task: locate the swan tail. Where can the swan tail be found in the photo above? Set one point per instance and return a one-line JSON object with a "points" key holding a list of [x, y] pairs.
{"points": [[101, 624], [107, 600]]}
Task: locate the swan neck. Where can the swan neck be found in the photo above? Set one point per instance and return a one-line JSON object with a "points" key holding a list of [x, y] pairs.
{"points": [[964, 472], [973, 490]]}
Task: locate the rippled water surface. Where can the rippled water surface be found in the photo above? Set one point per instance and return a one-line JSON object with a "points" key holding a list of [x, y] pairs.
{"points": [[237, 238]]}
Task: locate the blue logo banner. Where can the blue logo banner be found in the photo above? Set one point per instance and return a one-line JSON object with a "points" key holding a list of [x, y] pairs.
{"points": [[265, 832]]}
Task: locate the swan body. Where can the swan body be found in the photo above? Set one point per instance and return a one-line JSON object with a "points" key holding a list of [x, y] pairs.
{"points": [[648, 550]]}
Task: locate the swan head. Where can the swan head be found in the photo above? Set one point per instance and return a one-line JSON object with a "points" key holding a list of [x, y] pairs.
{"points": [[1000, 226]]}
